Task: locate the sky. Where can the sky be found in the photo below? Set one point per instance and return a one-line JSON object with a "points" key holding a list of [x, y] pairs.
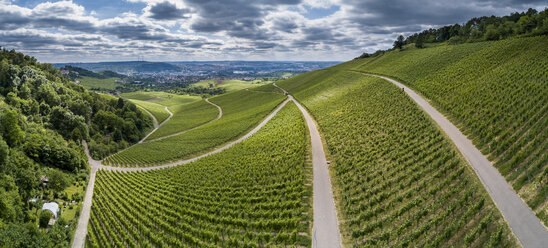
{"points": [[188, 30]]}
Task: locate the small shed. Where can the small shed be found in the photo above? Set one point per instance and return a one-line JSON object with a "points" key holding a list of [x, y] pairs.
{"points": [[52, 207]]}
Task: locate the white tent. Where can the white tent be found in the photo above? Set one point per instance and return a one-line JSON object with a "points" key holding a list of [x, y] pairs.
{"points": [[52, 207]]}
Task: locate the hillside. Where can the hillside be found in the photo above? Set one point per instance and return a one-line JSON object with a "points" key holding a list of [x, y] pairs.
{"points": [[44, 117], [125, 66], [496, 92]]}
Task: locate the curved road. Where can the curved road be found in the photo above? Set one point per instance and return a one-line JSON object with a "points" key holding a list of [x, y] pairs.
{"points": [[325, 230], [156, 126], [81, 230], [175, 134], [523, 222]]}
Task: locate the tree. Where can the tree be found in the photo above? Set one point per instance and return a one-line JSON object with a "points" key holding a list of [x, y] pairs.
{"points": [[58, 181], [400, 41], [10, 201], [419, 43], [4, 152], [45, 216], [9, 126]]}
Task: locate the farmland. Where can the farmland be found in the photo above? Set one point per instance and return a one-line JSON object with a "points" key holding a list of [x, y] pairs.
{"points": [[230, 84], [254, 194], [186, 116], [496, 93], [398, 180], [241, 111], [157, 110], [162, 98], [99, 83]]}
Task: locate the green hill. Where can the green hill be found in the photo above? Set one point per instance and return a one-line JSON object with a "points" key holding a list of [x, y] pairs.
{"points": [[496, 92]]}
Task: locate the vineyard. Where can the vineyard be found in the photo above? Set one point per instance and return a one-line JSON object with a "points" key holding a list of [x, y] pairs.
{"points": [[186, 116], [158, 111], [496, 92], [400, 181], [242, 110], [255, 194]]}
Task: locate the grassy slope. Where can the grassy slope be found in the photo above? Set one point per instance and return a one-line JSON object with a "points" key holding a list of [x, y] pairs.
{"points": [[162, 98], [155, 109], [251, 194], [186, 116], [375, 134], [242, 110], [231, 84], [107, 83], [496, 93]]}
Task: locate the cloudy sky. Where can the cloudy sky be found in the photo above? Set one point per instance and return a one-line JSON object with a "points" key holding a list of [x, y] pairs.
{"points": [[181, 30]]}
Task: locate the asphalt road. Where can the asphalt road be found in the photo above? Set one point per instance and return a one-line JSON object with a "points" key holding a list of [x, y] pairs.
{"points": [[156, 126], [521, 219]]}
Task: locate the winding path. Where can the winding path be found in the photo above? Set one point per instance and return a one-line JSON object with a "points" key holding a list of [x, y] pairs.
{"points": [[156, 126], [184, 131], [523, 222], [325, 230], [81, 230]]}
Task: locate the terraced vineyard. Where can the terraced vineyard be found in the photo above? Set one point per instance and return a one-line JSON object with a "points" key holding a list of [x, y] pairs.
{"points": [[241, 111], [254, 194], [186, 116], [496, 92], [399, 181], [157, 110]]}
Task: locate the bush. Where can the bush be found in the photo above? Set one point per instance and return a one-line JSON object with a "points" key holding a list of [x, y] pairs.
{"points": [[45, 216]]}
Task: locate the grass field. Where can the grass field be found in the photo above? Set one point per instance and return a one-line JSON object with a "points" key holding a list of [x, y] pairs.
{"points": [[186, 116], [107, 83], [155, 109], [231, 84], [162, 98]]}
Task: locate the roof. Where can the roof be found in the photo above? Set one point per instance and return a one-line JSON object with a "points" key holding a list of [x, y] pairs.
{"points": [[52, 207]]}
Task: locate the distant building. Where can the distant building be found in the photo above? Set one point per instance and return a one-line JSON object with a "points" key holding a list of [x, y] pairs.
{"points": [[65, 72], [52, 207]]}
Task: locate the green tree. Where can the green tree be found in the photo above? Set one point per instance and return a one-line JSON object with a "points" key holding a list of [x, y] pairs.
{"points": [[10, 201], [4, 152], [58, 181], [45, 216], [400, 41], [11, 131]]}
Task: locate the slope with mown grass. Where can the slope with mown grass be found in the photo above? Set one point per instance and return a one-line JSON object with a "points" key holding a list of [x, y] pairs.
{"points": [[158, 111], [254, 194], [185, 117]]}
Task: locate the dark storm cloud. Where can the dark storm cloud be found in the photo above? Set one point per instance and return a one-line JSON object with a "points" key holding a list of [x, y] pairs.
{"points": [[33, 40], [167, 11], [239, 18], [404, 13]]}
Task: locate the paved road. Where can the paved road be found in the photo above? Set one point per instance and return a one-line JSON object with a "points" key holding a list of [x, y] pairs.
{"points": [[523, 222], [82, 228], [325, 230], [156, 126], [178, 133]]}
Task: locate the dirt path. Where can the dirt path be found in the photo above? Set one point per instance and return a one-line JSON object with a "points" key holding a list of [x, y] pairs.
{"points": [[523, 222], [156, 126], [325, 230], [79, 240], [184, 131], [82, 228]]}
